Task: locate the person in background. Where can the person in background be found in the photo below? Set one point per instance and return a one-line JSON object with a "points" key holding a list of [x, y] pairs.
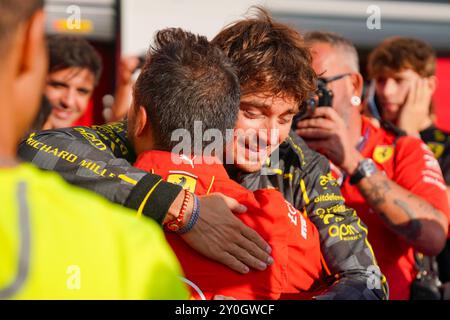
{"points": [[392, 181], [58, 241], [404, 74], [73, 73], [128, 69]]}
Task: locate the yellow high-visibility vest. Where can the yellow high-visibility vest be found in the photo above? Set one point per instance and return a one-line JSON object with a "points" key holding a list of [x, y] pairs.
{"points": [[61, 242]]}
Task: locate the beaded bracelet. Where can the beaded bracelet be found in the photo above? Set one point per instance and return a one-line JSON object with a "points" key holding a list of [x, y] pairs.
{"points": [[176, 223], [194, 217]]}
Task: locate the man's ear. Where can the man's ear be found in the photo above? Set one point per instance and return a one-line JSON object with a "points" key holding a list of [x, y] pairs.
{"points": [[32, 44], [358, 83], [142, 125]]}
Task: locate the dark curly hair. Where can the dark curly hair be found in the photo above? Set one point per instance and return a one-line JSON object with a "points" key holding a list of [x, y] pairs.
{"points": [[398, 53], [271, 57]]}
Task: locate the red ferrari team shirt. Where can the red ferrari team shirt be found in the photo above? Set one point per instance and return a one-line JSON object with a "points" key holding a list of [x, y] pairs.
{"points": [[293, 238], [409, 162]]}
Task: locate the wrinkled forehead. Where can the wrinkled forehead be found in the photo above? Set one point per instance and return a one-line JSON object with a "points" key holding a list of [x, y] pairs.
{"points": [[269, 102]]}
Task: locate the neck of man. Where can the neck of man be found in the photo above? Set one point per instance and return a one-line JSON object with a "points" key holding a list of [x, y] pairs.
{"points": [[142, 144], [354, 127], [8, 140]]}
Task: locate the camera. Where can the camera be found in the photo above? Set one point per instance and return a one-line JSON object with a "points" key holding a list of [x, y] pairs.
{"points": [[322, 97]]}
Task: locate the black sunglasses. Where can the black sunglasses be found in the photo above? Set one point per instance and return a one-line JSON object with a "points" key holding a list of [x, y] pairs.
{"points": [[334, 78]]}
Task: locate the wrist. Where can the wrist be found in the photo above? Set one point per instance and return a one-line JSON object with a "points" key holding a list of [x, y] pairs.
{"points": [[176, 208], [351, 164], [410, 130], [366, 168]]}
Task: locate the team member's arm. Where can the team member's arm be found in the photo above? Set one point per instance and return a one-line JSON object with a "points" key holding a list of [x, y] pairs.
{"points": [[88, 157], [402, 207], [124, 88], [349, 261]]}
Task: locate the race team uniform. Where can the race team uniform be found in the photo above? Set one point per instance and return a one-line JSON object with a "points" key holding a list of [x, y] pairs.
{"points": [[293, 238], [100, 159], [409, 163], [62, 242], [439, 142]]}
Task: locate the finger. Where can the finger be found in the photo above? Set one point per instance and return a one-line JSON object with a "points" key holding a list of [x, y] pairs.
{"points": [[246, 258], [415, 91], [426, 93], [253, 250], [232, 204], [233, 263], [314, 133], [419, 91], [327, 113], [316, 145], [256, 239], [316, 123]]}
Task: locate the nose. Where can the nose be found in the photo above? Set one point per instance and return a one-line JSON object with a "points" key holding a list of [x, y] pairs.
{"points": [[272, 132], [388, 88], [69, 98]]}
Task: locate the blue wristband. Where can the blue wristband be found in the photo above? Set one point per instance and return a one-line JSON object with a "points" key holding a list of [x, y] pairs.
{"points": [[194, 217]]}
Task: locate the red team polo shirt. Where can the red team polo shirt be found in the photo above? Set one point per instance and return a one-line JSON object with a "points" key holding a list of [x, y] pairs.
{"points": [[293, 238], [407, 161]]}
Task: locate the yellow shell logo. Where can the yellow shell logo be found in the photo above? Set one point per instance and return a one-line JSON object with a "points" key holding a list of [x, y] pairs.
{"points": [[381, 154]]}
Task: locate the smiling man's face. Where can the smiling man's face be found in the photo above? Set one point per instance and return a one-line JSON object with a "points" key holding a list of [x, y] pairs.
{"points": [[263, 123], [68, 92]]}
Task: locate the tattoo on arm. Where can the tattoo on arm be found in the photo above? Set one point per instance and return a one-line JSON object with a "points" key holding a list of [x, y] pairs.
{"points": [[376, 196], [376, 193], [412, 229], [428, 208]]}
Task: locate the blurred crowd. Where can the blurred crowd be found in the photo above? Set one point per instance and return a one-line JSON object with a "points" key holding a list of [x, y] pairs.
{"points": [[330, 187]]}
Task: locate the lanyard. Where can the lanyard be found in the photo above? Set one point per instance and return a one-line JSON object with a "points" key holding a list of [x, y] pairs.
{"points": [[363, 141], [361, 144]]}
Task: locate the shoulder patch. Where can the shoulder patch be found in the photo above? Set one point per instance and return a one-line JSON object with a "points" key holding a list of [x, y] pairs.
{"points": [[184, 179], [383, 153]]}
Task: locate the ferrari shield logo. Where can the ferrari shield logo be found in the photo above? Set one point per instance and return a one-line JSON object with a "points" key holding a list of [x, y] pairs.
{"points": [[381, 154], [184, 179]]}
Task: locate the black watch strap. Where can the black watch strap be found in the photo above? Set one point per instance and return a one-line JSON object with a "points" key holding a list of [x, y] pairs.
{"points": [[356, 177], [366, 168]]}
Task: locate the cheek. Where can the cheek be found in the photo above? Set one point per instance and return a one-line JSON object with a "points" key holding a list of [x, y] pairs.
{"points": [[244, 123], [402, 91], [82, 102], [52, 94], [284, 132]]}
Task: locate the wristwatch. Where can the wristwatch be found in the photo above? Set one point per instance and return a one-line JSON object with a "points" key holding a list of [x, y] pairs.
{"points": [[366, 168]]}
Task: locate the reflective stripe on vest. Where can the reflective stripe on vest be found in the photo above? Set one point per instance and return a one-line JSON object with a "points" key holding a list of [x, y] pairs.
{"points": [[24, 250]]}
